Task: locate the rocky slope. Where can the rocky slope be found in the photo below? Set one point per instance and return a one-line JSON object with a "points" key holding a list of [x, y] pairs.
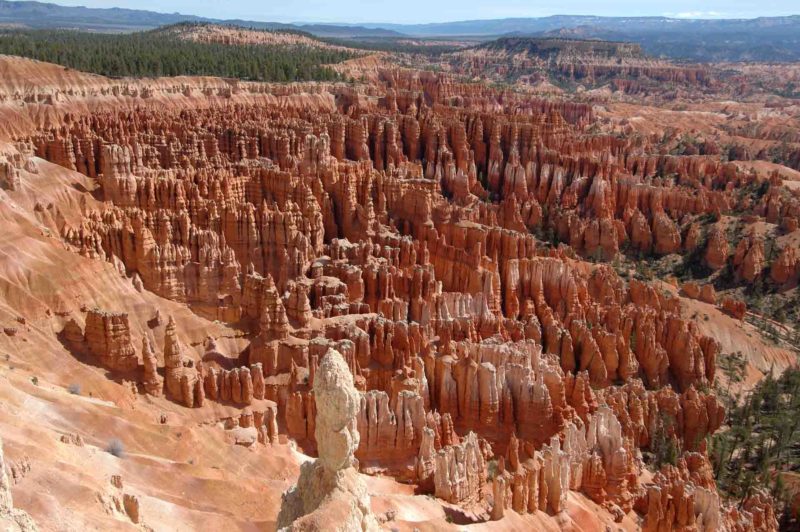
{"points": [[191, 251]]}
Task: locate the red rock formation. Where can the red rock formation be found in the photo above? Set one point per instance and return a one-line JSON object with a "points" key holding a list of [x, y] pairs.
{"points": [[108, 337], [666, 238], [409, 225], [708, 294], [786, 267], [460, 471], [748, 259], [9, 175], [181, 377], [705, 293], [691, 290], [717, 249], [11, 519], [734, 307]]}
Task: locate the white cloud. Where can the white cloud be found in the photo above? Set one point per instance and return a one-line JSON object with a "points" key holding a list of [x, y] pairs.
{"points": [[696, 14]]}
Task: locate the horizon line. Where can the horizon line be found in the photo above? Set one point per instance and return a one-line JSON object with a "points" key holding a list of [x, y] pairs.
{"points": [[702, 17]]}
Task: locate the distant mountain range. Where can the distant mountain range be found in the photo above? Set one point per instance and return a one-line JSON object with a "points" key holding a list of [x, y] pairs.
{"points": [[621, 24], [40, 15], [759, 39], [754, 40]]}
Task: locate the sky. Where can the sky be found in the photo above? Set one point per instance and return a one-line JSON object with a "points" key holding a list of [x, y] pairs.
{"points": [[421, 11]]}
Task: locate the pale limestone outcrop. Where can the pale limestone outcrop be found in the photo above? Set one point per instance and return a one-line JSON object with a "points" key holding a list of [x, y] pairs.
{"points": [[460, 471], [11, 519], [9, 175], [330, 494], [153, 382]]}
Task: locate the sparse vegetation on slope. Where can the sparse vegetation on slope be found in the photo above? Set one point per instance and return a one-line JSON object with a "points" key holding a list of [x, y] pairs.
{"points": [[397, 45], [548, 47], [762, 441]]}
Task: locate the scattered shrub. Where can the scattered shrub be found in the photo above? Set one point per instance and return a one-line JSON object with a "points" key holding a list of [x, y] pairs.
{"points": [[116, 448], [491, 469]]}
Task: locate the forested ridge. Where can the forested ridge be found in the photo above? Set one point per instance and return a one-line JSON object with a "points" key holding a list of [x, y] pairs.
{"points": [[159, 53]]}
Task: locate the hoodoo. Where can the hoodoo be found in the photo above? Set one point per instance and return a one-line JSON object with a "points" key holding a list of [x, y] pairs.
{"points": [[330, 493]]}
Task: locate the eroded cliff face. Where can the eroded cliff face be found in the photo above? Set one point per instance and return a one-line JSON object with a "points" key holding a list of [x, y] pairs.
{"points": [[539, 61], [434, 236]]}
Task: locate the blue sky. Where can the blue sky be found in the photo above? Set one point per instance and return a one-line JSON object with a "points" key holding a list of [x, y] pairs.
{"points": [[417, 11]]}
